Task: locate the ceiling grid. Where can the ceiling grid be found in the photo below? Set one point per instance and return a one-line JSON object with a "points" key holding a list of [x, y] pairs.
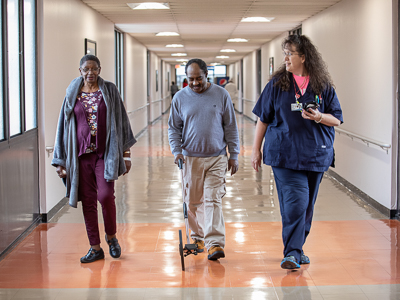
{"points": [[205, 26]]}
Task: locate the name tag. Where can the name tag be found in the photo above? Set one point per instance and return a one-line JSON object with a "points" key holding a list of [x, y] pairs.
{"points": [[296, 106]]}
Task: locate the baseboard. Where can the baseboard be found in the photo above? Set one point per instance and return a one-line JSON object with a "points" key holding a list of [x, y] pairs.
{"points": [[391, 213], [47, 216]]}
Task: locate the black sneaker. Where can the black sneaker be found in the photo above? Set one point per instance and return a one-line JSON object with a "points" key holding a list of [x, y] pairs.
{"points": [[92, 256], [115, 248]]}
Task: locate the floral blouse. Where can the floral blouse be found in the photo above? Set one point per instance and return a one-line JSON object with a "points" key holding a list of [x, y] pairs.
{"points": [[90, 102]]}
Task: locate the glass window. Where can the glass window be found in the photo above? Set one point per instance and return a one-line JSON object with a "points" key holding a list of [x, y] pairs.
{"points": [[14, 95], [1, 79], [30, 64]]}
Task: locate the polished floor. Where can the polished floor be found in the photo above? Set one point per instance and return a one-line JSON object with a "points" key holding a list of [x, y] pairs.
{"points": [[353, 249]]}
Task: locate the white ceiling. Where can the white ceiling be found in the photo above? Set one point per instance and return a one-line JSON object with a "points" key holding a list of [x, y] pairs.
{"points": [[205, 25]]}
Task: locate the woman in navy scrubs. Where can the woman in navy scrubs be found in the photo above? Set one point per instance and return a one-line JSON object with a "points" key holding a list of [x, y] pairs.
{"points": [[296, 114]]}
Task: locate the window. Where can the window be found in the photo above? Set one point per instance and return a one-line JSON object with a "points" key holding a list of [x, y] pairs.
{"points": [[18, 91], [14, 66], [1, 79], [30, 66], [119, 56]]}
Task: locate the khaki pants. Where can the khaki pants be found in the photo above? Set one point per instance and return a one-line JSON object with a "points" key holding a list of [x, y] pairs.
{"points": [[204, 182]]}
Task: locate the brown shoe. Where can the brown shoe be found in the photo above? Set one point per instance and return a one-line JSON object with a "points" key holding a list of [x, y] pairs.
{"points": [[216, 252], [200, 245]]}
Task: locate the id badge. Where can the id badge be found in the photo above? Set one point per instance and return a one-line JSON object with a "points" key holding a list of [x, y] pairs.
{"points": [[296, 106]]}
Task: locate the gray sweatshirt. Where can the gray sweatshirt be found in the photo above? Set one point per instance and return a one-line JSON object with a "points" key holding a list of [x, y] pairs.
{"points": [[202, 125]]}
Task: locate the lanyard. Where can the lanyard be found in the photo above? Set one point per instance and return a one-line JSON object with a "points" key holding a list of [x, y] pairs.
{"points": [[318, 98]]}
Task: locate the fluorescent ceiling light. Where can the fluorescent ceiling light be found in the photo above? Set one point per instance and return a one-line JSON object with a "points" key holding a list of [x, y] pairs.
{"points": [[238, 40], [149, 5], [181, 59], [178, 54], [222, 56], [257, 19], [174, 46], [167, 33], [228, 50]]}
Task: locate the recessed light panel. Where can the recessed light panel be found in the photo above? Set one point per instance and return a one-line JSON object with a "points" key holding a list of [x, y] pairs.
{"points": [[238, 40], [228, 50], [222, 56], [257, 19], [149, 5], [178, 54], [174, 46], [167, 33]]}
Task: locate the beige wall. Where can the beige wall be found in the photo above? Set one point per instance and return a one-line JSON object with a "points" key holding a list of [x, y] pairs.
{"points": [[233, 70], [355, 40], [63, 26], [250, 95], [362, 70], [271, 49], [135, 72]]}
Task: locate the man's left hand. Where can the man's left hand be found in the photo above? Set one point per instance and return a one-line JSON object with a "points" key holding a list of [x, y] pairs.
{"points": [[233, 166]]}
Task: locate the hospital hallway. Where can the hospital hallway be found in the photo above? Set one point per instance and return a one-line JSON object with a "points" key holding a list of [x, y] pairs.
{"points": [[353, 248]]}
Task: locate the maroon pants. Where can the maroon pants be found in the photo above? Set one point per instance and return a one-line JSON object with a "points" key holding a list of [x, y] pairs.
{"points": [[93, 187]]}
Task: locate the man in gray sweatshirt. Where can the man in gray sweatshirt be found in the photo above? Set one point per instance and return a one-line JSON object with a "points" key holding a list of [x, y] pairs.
{"points": [[202, 124]]}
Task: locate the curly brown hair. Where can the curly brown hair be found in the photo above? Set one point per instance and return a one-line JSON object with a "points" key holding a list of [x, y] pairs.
{"points": [[314, 65]]}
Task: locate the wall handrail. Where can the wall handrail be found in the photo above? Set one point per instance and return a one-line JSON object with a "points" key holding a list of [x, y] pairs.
{"points": [[367, 141], [159, 100], [247, 100], [139, 108]]}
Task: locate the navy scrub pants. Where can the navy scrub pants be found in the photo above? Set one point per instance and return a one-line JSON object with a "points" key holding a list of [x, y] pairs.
{"points": [[297, 192]]}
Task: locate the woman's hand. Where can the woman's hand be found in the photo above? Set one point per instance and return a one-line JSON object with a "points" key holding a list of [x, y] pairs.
{"points": [[256, 158], [127, 159], [61, 172], [312, 114], [317, 116], [128, 165]]}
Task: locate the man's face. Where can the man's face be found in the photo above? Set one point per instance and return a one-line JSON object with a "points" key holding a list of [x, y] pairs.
{"points": [[197, 78]]}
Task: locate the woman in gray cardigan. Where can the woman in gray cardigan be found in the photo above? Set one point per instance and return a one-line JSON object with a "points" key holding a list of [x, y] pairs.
{"points": [[92, 149]]}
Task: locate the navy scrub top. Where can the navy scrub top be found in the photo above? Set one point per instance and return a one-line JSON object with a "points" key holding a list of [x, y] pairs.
{"points": [[291, 141]]}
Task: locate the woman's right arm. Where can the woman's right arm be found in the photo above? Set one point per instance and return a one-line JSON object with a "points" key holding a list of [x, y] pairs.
{"points": [[256, 157]]}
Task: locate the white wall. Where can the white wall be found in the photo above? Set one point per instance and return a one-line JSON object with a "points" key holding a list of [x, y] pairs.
{"points": [[155, 95], [135, 83], [63, 26], [272, 49], [355, 40], [166, 86], [249, 84], [233, 70]]}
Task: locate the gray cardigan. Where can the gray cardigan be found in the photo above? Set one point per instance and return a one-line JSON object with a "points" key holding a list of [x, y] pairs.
{"points": [[119, 136]]}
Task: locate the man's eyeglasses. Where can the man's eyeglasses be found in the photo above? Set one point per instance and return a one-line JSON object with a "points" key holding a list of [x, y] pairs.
{"points": [[86, 70]]}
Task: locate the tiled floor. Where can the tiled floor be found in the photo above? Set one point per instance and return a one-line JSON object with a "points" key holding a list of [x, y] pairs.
{"points": [[353, 249]]}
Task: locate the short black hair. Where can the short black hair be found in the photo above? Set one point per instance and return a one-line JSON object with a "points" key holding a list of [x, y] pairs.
{"points": [[173, 82], [200, 63], [89, 57]]}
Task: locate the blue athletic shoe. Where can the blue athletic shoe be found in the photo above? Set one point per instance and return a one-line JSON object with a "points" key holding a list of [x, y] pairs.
{"points": [[290, 262], [304, 260]]}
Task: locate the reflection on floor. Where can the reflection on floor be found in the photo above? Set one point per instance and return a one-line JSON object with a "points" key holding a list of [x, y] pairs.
{"points": [[353, 249]]}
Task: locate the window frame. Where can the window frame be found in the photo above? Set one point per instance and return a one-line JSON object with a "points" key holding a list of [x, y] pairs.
{"points": [[5, 82]]}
